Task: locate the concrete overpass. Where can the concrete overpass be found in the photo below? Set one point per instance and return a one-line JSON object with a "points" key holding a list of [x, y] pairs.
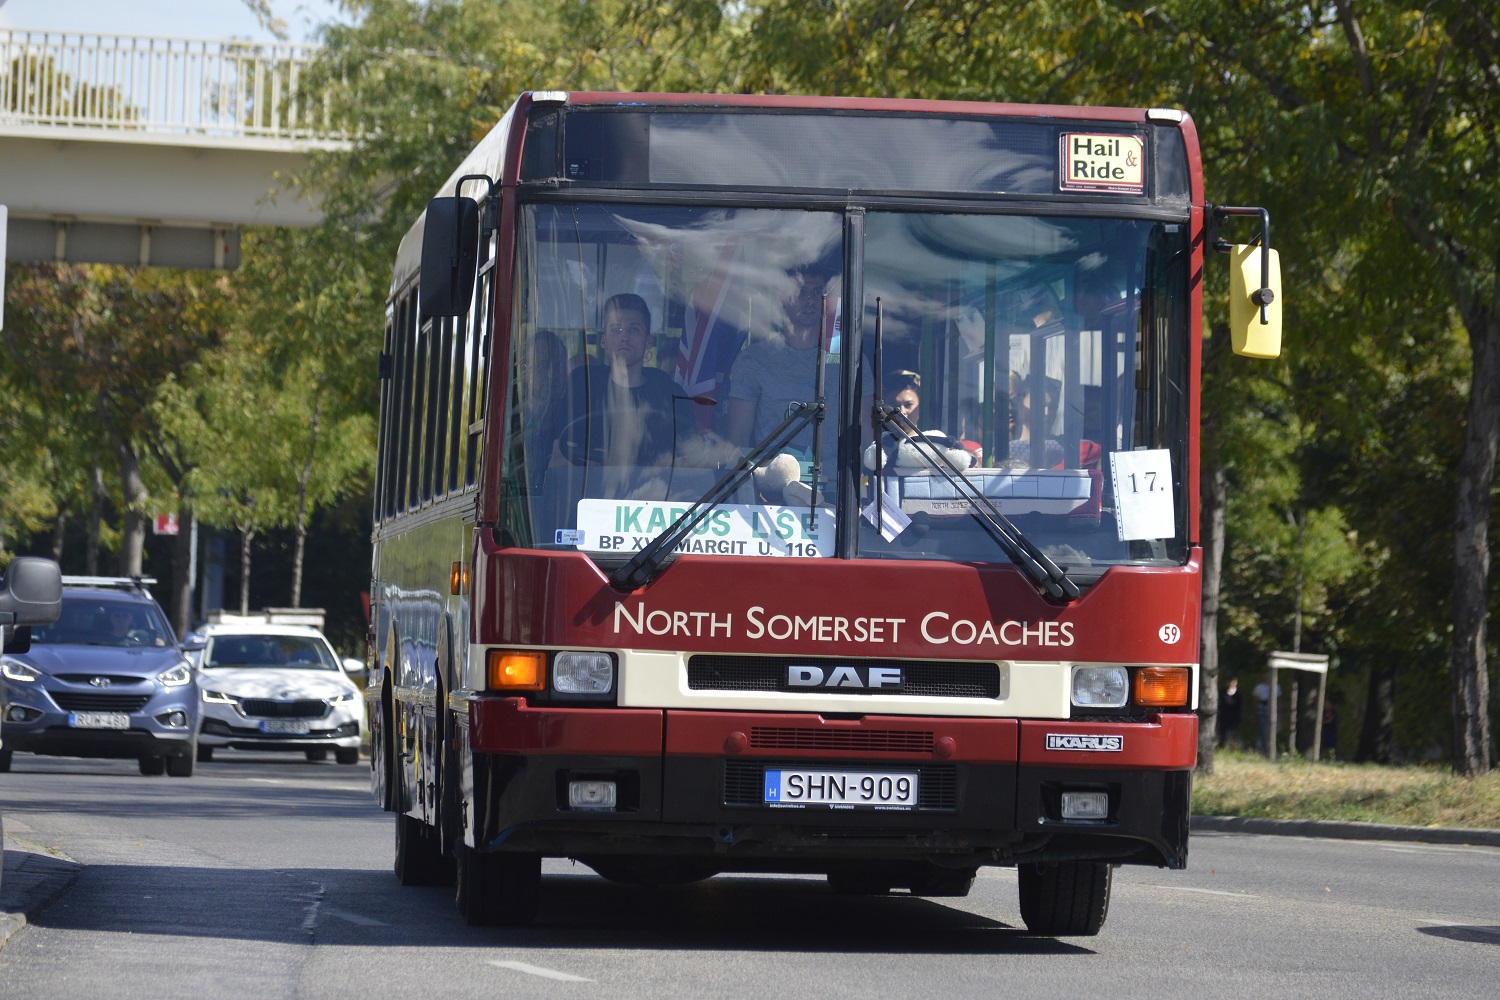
{"points": [[151, 151]]}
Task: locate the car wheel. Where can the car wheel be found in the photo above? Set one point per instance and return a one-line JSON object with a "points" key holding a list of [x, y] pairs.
{"points": [[347, 756], [153, 764], [5, 760], [205, 754], [1068, 898], [180, 765], [317, 753], [419, 855], [498, 890]]}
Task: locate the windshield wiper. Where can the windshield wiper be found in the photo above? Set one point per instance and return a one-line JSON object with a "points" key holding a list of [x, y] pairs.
{"points": [[647, 563], [1045, 573]]}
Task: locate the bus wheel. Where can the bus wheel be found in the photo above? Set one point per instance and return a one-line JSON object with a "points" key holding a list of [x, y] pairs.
{"points": [[419, 856], [497, 890], [1068, 898]]}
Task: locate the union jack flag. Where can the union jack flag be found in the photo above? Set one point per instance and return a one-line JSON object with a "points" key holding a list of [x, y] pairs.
{"points": [[709, 339]]}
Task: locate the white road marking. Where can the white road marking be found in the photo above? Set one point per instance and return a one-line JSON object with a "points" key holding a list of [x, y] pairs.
{"points": [[1206, 892], [354, 918], [537, 970]]}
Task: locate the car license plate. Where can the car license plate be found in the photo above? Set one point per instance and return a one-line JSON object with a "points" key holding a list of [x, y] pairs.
{"points": [[99, 720], [286, 727], [841, 789]]}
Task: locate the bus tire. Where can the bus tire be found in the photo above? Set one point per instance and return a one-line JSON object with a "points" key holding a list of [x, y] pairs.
{"points": [[419, 858], [497, 890], [1070, 898]]}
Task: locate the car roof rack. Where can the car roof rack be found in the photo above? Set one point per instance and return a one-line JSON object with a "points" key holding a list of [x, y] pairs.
{"points": [[110, 582]]}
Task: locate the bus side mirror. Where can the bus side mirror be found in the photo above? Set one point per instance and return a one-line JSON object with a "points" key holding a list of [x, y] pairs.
{"points": [[450, 257], [1254, 309], [31, 593]]}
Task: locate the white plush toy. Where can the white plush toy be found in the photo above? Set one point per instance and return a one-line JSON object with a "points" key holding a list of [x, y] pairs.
{"points": [[911, 456], [782, 477]]}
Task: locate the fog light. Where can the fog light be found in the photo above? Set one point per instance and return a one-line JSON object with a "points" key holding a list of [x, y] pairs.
{"points": [[1085, 805], [591, 795], [1100, 687], [174, 719], [18, 714]]}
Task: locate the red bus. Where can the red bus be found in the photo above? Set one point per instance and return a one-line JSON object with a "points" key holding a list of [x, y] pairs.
{"points": [[798, 485]]}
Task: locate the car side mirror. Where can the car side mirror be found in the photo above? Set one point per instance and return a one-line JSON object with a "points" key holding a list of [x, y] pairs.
{"points": [[353, 667]]}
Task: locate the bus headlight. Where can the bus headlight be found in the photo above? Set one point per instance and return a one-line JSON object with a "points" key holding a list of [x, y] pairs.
{"points": [[583, 675], [1100, 687]]}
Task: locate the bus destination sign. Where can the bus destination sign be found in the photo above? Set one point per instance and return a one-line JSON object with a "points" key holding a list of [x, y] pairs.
{"points": [[1110, 162], [728, 530]]}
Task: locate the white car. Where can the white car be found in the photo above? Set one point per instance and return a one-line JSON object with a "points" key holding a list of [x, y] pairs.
{"points": [[276, 687]]}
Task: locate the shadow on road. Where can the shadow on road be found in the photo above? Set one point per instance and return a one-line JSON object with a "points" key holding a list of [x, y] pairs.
{"points": [[338, 907]]}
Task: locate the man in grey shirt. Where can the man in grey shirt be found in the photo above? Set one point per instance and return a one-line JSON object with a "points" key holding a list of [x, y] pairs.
{"points": [[772, 373]]}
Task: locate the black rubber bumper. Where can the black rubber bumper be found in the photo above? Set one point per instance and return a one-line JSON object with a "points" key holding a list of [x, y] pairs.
{"points": [[64, 742], [713, 807]]}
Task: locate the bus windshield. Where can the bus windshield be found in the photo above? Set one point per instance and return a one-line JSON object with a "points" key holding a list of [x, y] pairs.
{"points": [[1040, 361]]}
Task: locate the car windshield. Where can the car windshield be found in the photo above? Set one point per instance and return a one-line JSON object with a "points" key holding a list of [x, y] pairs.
{"points": [[99, 621], [295, 652]]}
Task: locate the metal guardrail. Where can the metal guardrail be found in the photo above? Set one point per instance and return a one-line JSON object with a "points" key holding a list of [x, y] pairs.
{"points": [[178, 86]]}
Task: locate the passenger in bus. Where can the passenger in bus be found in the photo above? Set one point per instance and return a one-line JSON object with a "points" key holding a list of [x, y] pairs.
{"points": [[626, 420], [904, 453], [776, 371], [543, 378]]}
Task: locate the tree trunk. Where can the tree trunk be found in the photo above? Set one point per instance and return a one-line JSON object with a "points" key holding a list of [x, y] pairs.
{"points": [[247, 535], [59, 531], [96, 521], [1471, 550], [1377, 736], [302, 478], [182, 577], [133, 497], [1213, 491]]}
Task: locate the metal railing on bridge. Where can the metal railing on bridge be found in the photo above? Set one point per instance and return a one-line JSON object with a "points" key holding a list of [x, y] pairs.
{"points": [[181, 86]]}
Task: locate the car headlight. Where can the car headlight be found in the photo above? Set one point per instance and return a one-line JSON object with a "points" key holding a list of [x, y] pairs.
{"points": [[340, 699], [583, 675], [15, 670], [1100, 687], [217, 696], [176, 677]]}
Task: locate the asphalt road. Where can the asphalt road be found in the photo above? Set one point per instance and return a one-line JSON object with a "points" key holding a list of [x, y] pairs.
{"points": [[269, 877]]}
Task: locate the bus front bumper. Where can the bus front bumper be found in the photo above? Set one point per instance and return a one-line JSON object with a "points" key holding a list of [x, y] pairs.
{"points": [[692, 784]]}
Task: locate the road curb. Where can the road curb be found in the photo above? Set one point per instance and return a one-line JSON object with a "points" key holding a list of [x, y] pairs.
{"points": [[1345, 831], [33, 878]]}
